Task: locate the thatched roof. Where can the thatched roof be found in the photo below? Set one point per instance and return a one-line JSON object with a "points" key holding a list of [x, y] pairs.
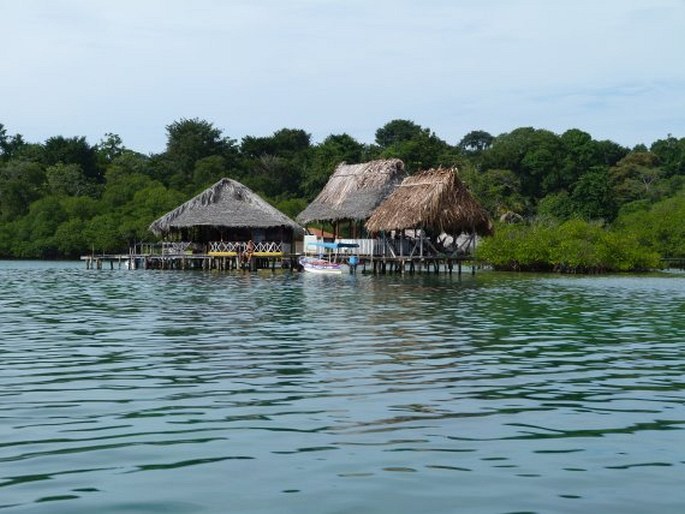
{"points": [[226, 204], [354, 191], [435, 199]]}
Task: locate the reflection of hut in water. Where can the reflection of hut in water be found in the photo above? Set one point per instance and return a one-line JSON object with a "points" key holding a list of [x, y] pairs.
{"points": [[352, 193], [436, 206], [228, 220]]}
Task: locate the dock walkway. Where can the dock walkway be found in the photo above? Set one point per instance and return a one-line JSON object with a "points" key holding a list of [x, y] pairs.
{"points": [[378, 265]]}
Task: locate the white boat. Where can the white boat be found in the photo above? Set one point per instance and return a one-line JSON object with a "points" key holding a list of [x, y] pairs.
{"points": [[317, 265], [321, 265]]}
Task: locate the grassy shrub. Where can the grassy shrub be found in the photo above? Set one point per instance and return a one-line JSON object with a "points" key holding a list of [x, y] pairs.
{"points": [[660, 227], [575, 246]]}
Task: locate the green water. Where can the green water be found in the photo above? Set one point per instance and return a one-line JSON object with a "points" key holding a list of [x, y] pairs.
{"points": [[192, 392]]}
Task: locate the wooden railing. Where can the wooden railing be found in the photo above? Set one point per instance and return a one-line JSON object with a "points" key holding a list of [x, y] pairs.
{"points": [[176, 247], [225, 246], [242, 246]]}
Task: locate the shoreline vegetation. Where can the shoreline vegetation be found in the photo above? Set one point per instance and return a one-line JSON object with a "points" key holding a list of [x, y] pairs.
{"points": [[564, 202]]}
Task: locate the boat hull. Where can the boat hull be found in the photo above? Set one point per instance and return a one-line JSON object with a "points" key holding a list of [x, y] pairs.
{"points": [[320, 266]]}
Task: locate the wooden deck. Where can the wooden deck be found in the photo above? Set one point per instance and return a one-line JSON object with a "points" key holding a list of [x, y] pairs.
{"points": [[378, 265], [377, 256], [188, 261]]}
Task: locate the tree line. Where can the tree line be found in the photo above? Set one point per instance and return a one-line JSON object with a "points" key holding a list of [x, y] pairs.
{"points": [[65, 197]]}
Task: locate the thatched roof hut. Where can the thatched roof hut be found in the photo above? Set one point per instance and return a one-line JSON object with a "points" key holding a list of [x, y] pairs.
{"points": [[354, 191], [227, 204], [436, 200]]}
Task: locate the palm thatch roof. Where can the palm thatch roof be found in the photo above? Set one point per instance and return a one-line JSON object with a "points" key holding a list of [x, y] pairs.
{"points": [[436, 200], [225, 204], [354, 191]]}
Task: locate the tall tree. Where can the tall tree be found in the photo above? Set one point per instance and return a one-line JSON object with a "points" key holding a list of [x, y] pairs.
{"points": [[476, 141], [110, 147], [21, 182], [397, 131], [635, 177], [671, 155], [9, 145], [73, 150], [68, 179], [418, 147], [275, 165], [534, 155], [188, 141], [334, 150], [592, 197]]}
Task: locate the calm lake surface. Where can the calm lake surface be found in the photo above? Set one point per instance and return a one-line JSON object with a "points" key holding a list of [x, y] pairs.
{"points": [[197, 392]]}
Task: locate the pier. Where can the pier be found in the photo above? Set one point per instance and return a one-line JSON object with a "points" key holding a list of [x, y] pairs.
{"points": [[377, 265], [186, 262]]}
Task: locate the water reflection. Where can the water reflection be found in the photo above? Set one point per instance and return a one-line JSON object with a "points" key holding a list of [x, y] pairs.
{"points": [[270, 392]]}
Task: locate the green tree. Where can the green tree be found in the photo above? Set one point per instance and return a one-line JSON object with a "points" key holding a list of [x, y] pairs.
{"points": [[128, 163], [499, 191], [476, 142], [103, 235], [659, 226], [534, 155], [574, 246], [611, 153], [9, 145], [636, 177], [81, 207], [418, 147], [275, 165], [36, 231], [209, 170], [398, 131], [593, 197], [109, 148], [671, 155], [291, 207], [288, 143], [71, 238], [73, 150], [21, 183], [188, 141], [122, 188], [580, 153], [325, 156], [556, 206], [68, 179]]}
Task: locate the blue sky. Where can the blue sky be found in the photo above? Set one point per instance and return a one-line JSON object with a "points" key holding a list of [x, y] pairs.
{"points": [[614, 68]]}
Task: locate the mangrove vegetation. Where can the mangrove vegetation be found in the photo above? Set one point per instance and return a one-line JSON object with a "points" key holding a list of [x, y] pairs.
{"points": [[563, 202]]}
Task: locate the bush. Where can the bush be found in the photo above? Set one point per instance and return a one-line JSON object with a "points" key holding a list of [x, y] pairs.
{"points": [[575, 246]]}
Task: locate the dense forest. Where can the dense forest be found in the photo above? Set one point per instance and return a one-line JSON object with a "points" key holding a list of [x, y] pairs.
{"points": [[576, 203]]}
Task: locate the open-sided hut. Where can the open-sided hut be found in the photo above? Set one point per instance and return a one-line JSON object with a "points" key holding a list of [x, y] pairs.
{"points": [[354, 191], [224, 218], [435, 201]]}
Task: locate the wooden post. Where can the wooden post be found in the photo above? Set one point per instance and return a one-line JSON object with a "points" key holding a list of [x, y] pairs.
{"points": [[473, 253]]}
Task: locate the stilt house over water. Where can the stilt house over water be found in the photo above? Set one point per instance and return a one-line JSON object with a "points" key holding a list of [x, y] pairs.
{"points": [[437, 207], [352, 193], [228, 220]]}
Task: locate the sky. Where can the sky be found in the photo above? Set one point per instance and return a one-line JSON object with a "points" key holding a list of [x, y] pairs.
{"points": [[613, 68]]}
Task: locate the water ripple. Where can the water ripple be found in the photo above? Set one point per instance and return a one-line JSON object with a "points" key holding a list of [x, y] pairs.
{"points": [[186, 392]]}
